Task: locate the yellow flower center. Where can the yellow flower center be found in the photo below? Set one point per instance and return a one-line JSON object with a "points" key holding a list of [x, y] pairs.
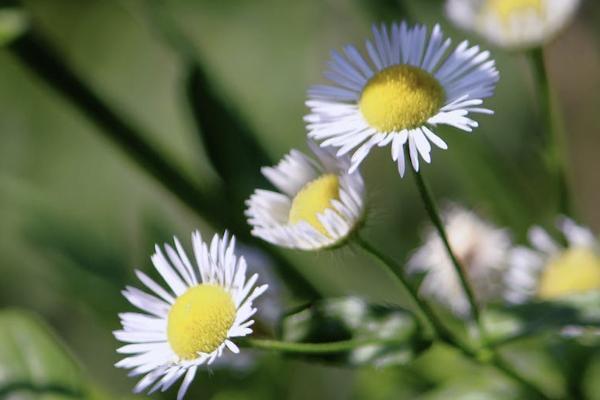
{"points": [[576, 270], [314, 198], [199, 320], [400, 97], [506, 8]]}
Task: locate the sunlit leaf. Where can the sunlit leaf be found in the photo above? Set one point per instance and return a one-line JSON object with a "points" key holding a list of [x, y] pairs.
{"points": [[352, 318], [32, 361], [13, 22]]}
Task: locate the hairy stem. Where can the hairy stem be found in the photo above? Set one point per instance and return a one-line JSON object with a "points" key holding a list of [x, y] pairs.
{"points": [[484, 356], [554, 152], [395, 270], [436, 219]]}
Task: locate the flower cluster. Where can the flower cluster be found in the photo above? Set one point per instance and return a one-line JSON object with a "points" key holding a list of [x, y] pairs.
{"points": [[409, 81], [499, 270]]}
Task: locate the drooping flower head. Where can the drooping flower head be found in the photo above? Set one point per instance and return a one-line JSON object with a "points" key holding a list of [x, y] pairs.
{"points": [[549, 270], [191, 322], [482, 250], [513, 23], [410, 83], [319, 204]]}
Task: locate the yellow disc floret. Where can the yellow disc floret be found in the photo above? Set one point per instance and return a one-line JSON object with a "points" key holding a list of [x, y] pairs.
{"points": [[574, 271], [504, 9], [400, 97], [314, 198], [199, 320]]}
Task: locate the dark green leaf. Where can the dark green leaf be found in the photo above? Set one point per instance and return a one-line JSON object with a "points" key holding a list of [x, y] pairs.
{"points": [[385, 10], [231, 145], [229, 142], [352, 318], [578, 313]]}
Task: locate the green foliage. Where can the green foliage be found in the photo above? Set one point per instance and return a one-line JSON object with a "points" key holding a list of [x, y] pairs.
{"points": [[36, 365], [33, 362], [351, 318], [580, 312], [230, 144]]}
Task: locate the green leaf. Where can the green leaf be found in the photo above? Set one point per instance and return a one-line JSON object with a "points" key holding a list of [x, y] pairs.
{"points": [[230, 143], [578, 312], [352, 318], [33, 363], [36, 365]]}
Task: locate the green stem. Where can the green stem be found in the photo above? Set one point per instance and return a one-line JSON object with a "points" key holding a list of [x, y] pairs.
{"points": [[486, 355], [395, 270], [553, 141], [314, 348], [434, 215]]}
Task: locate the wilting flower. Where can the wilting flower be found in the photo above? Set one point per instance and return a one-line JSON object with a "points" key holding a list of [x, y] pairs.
{"points": [[482, 250], [549, 270], [319, 205], [191, 322], [397, 95], [513, 23]]}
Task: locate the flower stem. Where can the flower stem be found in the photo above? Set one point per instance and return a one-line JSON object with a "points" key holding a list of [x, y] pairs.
{"points": [[434, 215], [482, 356], [395, 270], [554, 153], [485, 355], [314, 348]]}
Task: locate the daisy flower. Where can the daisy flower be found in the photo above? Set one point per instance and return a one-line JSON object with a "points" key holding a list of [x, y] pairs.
{"points": [[482, 250], [319, 204], [513, 23], [193, 320], [549, 270], [408, 85]]}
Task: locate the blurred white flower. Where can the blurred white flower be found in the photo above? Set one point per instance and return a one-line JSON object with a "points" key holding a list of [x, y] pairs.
{"points": [[482, 250], [408, 85], [319, 206], [194, 320], [513, 23], [549, 270]]}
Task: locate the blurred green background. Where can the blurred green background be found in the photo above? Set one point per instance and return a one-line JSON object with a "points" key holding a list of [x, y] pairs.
{"points": [[77, 215]]}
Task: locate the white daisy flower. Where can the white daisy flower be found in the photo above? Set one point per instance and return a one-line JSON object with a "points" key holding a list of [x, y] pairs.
{"points": [[513, 23], [191, 322], [407, 85], [319, 204], [482, 250], [550, 270]]}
